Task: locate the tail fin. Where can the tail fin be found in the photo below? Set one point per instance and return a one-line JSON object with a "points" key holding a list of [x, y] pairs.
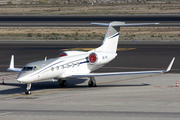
{"points": [[112, 35], [111, 39]]}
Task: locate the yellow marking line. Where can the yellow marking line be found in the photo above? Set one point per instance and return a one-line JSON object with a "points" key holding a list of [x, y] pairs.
{"points": [[34, 93], [11, 96], [88, 49], [26, 98]]}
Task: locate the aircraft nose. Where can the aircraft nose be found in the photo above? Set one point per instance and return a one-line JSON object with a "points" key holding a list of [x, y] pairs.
{"points": [[21, 78]]}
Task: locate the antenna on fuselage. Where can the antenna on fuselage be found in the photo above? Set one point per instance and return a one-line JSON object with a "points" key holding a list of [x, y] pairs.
{"points": [[45, 58]]}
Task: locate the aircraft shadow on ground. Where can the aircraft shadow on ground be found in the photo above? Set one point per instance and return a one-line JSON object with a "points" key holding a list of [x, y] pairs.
{"points": [[128, 85], [19, 88], [73, 83]]}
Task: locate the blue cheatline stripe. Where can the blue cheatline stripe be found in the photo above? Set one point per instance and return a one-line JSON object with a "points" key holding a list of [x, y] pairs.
{"points": [[84, 62], [80, 63], [46, 68], [114, 35], [55, 64]]}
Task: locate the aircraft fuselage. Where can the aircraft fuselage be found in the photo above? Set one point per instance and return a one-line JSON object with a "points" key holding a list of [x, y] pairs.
{"points": [[62, 67]]}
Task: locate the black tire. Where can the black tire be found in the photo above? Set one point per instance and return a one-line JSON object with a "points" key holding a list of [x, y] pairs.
{"points": [[91, 84], [63, 83], [27, 92]]}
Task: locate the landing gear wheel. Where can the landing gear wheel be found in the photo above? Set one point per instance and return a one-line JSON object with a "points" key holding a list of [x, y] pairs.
{"points": [[63, 83], [27, 92], [91, 84]]}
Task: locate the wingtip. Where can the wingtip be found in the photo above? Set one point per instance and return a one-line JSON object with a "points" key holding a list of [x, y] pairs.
{"points": [[11, 65], [170, 65]]}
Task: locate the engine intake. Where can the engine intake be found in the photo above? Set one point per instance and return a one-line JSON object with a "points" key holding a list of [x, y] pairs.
{"points": [[63, 54], [71, 53], [92, 58]]}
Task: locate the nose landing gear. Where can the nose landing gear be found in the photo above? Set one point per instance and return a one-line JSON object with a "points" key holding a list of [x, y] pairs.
{"points": [[28, 92]]}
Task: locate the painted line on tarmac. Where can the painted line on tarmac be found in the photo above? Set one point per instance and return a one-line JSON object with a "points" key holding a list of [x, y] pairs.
{"points": [[34, 93], [6, 113], [8, 76]]}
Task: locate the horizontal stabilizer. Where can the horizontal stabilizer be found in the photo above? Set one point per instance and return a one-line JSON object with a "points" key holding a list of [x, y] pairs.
{"points": [[121, 24], [103, 24]]}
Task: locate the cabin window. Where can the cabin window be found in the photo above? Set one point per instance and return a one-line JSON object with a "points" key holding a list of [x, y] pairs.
{"points": [[52, 69], [57, 68], [78, 64], [72, 64], [62, 67], [67, 66]]}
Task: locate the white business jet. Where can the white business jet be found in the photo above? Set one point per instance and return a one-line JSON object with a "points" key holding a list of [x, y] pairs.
{"points": [[75, 64]]}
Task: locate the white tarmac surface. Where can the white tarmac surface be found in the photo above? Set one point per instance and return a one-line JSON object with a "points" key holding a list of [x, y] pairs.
{"points": [[128, 97]]}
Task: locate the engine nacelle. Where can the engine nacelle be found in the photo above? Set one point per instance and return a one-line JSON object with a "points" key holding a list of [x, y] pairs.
{"points": [[71, 53], [101, 57]]}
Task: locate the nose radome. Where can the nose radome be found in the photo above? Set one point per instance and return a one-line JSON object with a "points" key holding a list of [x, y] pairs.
{"points": [[20, 80], [22, 77]]}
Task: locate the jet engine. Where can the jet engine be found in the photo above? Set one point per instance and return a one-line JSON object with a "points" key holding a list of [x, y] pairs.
{"points": [[101, 57], [92, 58], [71, 53]]}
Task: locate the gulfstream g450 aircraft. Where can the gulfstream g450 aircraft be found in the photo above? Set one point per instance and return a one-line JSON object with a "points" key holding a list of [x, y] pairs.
{"points": [[74, 64]]}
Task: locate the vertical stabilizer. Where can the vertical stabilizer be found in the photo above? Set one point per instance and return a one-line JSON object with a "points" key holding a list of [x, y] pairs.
{"points": [[111, 39]]}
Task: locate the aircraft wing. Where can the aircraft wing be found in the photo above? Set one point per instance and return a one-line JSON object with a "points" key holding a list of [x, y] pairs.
{"points": [[11, 66], [123, 73]]}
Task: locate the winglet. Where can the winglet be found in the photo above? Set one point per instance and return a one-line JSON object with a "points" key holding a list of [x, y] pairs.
{"points": [[170, 65], [11, 65]]}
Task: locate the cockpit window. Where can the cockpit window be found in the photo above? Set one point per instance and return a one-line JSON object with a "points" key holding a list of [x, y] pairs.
{"points": [[29, 68], [24, 68]]}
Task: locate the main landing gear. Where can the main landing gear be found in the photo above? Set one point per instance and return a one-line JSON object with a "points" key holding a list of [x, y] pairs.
{"points": [[62, 83], [28, 92], [92, 82]]}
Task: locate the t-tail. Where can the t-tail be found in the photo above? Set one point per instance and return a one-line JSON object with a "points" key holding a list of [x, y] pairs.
{"points": [[112, 35]]}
